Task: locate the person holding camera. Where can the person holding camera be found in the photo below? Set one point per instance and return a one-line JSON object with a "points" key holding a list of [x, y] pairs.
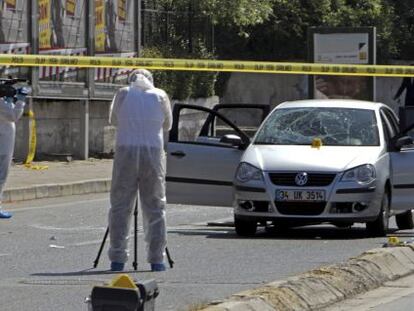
{"points": [[142, 115], [11, 109], [407, 84]]}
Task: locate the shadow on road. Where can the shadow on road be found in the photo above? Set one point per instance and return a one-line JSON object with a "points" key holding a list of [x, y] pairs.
{"points": [[319, 232], [87, 272]]}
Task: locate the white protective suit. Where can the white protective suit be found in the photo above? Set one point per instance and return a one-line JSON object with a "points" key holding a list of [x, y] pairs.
{"points": [[142, 115], [9, 113]]}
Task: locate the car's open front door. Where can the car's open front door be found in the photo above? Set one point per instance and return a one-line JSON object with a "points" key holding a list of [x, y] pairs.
{"points": [[402, 163], [203, 152]]}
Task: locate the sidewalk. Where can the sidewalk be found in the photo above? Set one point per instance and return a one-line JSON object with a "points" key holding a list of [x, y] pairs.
{"points": [[391, 296], [59, 179]]}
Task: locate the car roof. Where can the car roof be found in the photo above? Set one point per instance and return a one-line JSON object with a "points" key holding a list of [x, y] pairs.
{"points": [[334, 103]]}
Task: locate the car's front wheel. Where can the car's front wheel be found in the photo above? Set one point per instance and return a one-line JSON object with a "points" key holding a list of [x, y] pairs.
{"points": [[245, 227], [379, 227], [405, 220]]}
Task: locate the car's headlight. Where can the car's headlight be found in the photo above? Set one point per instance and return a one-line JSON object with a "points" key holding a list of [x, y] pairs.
{"points": [[362, 174], [246, 172]]}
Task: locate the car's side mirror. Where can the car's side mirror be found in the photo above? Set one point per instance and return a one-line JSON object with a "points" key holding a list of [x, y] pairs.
{"points": [[403, 141], [232, 139]]}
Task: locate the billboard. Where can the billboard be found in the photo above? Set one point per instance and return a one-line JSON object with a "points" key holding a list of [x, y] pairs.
{"points": [[114, 36], [61, 29], [45, 29], [62, 32], [70, 7], [122, 11], [14, 34], [100, 36], [342, 46], [11, 4]]}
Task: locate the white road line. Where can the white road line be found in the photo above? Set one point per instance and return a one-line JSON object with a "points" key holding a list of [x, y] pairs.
{"points": [[87, 228], [85, 243]]}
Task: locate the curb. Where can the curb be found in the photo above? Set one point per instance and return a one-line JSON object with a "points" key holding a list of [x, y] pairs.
{"points": [[325, 286], [56, 190]]}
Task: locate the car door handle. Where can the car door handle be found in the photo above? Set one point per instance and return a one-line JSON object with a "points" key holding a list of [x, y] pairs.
{"points": [[178, 154]]}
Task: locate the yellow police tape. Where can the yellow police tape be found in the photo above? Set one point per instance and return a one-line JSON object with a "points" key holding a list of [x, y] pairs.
{"points": [[206, 65], [32, 145]]}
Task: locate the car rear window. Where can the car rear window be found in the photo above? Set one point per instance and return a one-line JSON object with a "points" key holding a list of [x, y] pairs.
{"points": [[334, 126]]}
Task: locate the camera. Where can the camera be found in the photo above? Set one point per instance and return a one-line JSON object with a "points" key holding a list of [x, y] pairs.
{"points": [[8, 88]]}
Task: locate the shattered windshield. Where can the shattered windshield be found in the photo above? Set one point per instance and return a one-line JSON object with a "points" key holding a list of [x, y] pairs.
{"points": [[333, 126]]}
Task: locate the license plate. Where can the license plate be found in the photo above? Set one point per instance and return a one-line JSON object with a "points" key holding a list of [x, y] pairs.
{"points": [[300, 195]]}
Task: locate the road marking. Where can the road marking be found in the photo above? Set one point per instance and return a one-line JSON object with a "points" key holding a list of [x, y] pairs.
{"points": [[56, 246], [70, 229], [85, 243]]}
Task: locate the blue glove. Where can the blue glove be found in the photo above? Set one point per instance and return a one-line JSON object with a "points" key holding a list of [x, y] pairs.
{"points": [[21, 97], [22, 93], [9, 99]]}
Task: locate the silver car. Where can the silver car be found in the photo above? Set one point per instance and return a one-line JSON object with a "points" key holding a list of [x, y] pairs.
{"points": [[311, 161]]}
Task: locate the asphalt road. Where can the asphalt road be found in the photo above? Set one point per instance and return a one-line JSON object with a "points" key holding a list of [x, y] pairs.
{"points": [[48, 248]]}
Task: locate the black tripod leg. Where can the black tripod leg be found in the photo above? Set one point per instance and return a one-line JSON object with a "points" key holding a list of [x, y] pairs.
{"points": [[95, 263], [170, 261], [135, 263]]}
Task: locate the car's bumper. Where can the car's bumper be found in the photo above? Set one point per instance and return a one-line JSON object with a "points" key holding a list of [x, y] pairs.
{"points": [[343, 203]]}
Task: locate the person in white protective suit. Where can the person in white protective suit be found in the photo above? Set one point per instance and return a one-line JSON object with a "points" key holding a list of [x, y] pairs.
{"points": [[142, 115], [10, 112]]}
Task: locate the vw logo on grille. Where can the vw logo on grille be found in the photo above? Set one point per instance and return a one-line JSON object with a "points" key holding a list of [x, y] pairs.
{"points": [[301, 179]]}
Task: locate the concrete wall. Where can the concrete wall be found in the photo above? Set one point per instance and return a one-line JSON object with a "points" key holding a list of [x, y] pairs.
{"points": [[275, 89], [58, 128], [58, 125], [264, 88]]}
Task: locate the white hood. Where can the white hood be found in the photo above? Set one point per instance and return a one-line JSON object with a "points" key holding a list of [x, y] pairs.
{"points": [[306, 158], [142, 82]]}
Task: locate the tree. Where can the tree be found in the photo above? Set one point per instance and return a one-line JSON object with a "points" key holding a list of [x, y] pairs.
{"points": [[239, 13], [276, 30], [403, 30], [183, 29], [283, 36]]}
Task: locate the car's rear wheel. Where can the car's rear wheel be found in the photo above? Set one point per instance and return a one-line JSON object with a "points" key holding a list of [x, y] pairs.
{"points": [[245, 227], [405, 220], [379, 227]]}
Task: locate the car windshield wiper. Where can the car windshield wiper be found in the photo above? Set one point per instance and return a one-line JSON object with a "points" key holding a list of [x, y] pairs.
{"points": [[264, 143]]}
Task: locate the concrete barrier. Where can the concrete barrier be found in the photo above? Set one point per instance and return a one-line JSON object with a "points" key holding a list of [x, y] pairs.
{"points": [[56, 190], [326, 285]]}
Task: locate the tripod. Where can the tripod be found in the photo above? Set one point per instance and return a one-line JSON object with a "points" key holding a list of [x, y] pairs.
{"points": [[134, 263]]}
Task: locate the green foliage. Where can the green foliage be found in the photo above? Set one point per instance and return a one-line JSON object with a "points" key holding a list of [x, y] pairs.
{"points": [[240, 13], [181, 85], [273, 30], [403, 30], [183, 42], [283, 36]]}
